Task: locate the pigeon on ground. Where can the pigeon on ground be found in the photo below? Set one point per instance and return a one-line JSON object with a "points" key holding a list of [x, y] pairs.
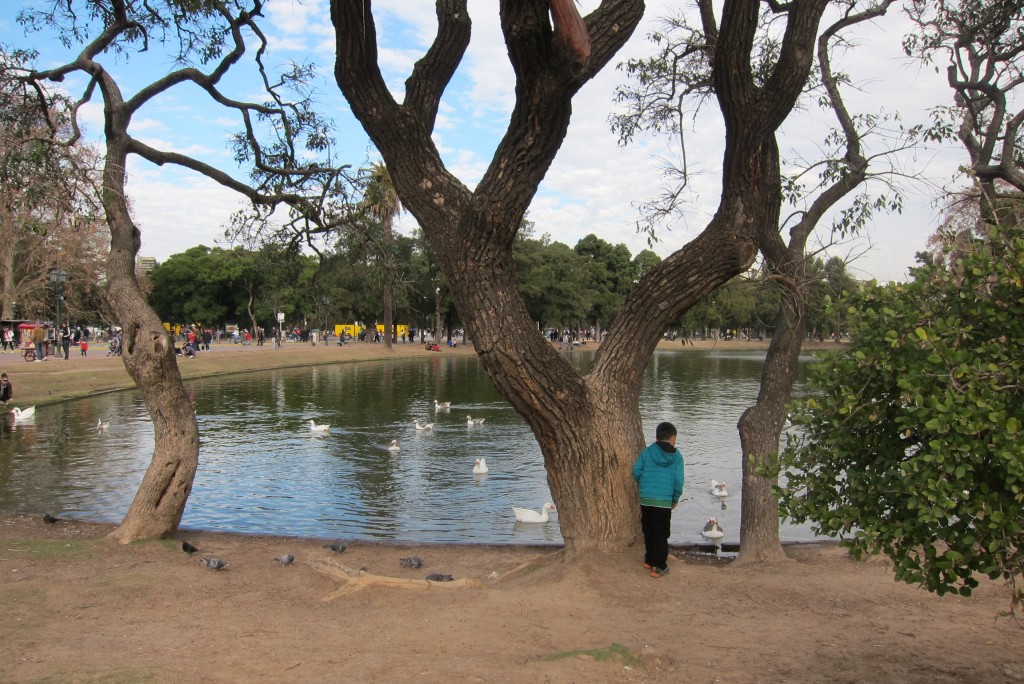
{"points": [[438, 577], [412, 562], [49, 519], [336, 547], [188, 548], [286, 559], [214, 563]]}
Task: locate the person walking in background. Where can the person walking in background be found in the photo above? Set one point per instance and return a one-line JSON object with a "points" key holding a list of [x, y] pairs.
{"points": [[8, 339], [65, 340], [39, 340], [659, 472]]}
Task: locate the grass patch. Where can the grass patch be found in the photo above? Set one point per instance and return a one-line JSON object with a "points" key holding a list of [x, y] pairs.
{"points": [[601, 655]]}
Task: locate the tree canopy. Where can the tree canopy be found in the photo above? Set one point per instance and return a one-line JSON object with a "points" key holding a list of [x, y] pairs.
{"points": [[910, 441]]}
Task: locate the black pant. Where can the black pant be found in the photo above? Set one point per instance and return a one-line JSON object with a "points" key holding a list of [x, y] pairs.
{"points": [[657, 526]]}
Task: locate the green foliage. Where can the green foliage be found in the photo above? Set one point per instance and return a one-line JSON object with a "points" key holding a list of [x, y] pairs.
{"points": [[911, 446]]}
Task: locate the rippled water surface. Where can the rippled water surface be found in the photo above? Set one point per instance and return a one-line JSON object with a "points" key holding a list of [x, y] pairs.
{"points": [[261, 469]]}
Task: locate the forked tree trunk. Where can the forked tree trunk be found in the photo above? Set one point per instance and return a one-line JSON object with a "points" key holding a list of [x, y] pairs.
{"points": [[588, 427], [148, 355]]}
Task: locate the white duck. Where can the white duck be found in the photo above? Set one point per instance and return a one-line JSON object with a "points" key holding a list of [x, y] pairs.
{"points": [[393, 447], [718, 489], [320, 429], [442, 406], [22, 414], [712, 530], [470, 420], [528, 515], [102, 426], [480, 467], [420, 426]]}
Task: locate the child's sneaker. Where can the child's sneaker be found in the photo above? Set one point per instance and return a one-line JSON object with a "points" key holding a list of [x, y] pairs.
{"points": [[648, 566], [659, 572]]}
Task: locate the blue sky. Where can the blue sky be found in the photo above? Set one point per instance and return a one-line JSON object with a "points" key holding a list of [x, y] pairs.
{"points": [[594, 185]]}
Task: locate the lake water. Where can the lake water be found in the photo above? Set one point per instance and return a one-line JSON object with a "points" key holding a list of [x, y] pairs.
{"points": [[262, 470]]}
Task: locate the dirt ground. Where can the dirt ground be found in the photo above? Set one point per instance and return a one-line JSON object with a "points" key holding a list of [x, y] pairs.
{"points": [[79, 608]]}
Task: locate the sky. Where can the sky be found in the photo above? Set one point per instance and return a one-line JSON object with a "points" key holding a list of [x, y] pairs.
{"points": [[594, 186]]}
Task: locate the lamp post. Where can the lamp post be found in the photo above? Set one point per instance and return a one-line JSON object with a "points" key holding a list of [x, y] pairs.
{"points": [[58, 278]]}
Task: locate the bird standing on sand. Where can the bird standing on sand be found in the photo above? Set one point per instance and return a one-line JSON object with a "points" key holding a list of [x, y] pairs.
{"points": [[49, 519], [438, 577], [214, 563], [188, 548], [286, 559], [412, 562], [336, 547]]}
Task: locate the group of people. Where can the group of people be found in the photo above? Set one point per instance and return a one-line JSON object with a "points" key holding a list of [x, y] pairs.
{"points": [[64, 336]]}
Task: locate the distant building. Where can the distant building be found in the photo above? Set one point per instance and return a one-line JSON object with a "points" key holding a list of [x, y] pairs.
{"points": [[146, 264]]}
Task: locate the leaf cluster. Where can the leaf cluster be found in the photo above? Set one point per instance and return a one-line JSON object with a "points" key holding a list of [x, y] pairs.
{"points": [[911, 445]]}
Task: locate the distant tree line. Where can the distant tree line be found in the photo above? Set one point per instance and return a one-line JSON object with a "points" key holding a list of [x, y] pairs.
{"points": [[563, 287]]}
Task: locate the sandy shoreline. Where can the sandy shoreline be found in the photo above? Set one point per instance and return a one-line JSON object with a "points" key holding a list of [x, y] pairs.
{"points": [[56, 380]]}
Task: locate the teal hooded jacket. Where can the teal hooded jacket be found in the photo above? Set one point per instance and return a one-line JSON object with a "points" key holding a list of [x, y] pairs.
{"points": [[659, 472]]}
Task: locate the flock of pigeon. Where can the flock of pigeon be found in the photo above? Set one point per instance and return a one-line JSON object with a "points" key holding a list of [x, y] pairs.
{"points": [[412, 562]]}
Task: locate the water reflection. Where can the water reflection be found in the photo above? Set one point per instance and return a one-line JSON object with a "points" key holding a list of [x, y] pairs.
{"points": [[262, 470]]}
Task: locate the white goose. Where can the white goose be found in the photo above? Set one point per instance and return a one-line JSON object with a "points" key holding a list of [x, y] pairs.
{"points": [[528, 515], [712, 530], [442, 406], [718, 489], [319, 429], [428, 426], [22, 414], [470, 420], [480, 467], [102, 426], [393, 447]]}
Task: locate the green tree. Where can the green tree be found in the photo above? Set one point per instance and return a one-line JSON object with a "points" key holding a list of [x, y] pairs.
{"points": [[381, 201], [911, 442]]}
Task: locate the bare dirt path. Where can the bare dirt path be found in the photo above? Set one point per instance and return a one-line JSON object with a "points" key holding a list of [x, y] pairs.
{"points": [[78, 608]]}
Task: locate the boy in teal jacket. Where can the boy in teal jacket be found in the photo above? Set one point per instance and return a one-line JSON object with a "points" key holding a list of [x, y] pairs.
{"points": [[659, 472]]}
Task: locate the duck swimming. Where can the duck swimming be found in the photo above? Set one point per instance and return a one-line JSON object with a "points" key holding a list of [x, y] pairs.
{"points": [[712, 530], [718, 489], [528, 515], [480, 467], [393, 447]]}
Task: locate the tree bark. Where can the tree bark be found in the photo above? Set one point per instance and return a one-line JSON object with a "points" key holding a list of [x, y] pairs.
{"points": [[147, 353], [588, 426]]}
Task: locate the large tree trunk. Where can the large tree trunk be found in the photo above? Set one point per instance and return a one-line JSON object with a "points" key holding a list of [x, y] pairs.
{"points": [[760, 427], [148, 356], [588, 427]]}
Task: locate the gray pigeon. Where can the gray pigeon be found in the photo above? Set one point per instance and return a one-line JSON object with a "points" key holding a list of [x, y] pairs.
{"points": [[214, 563], [336, 547], [188, 548], [49, 519], [286, 559], [438, 577], [412, 562]]}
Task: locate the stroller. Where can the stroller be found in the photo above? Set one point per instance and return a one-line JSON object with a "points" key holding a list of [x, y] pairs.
{"points": [[115, 346]]}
